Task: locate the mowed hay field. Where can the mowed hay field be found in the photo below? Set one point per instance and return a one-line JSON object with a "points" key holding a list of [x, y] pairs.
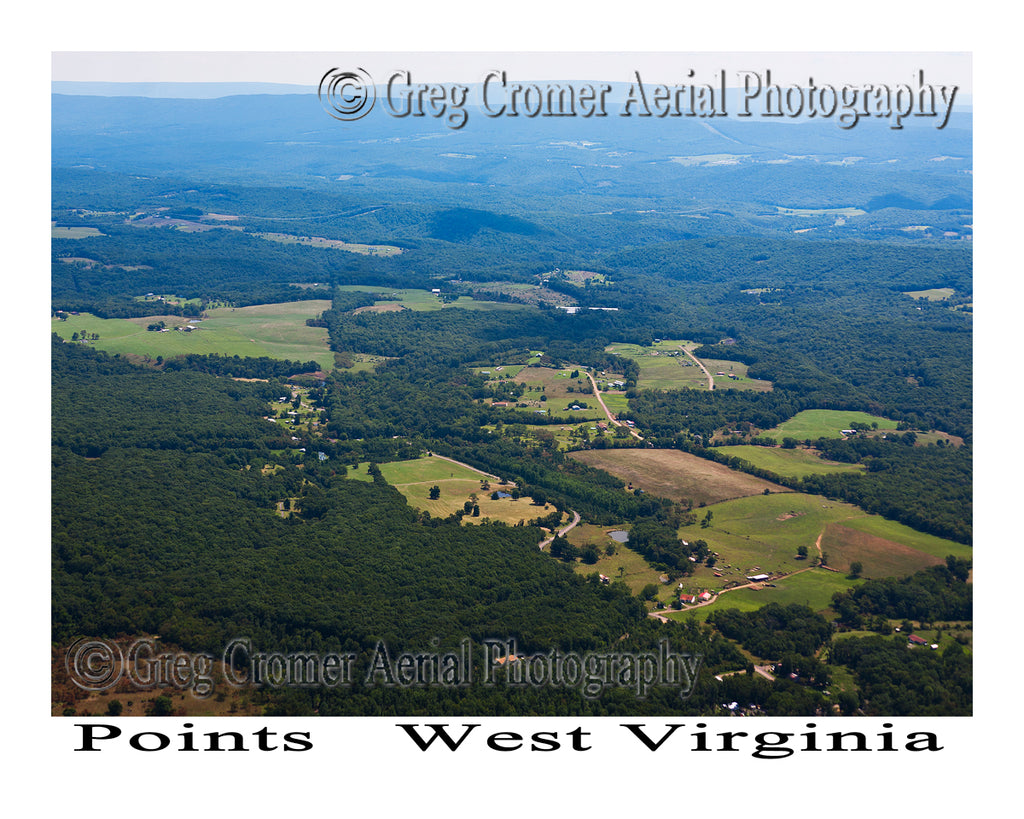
{"points": [[272, 330], [824, 423], [457, 483], [668, 473], [762, 534], [790, 463]]}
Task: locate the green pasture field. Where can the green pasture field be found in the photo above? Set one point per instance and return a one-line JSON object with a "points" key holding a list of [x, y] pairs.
{"points": [[820, 211], [659, 369], [318, 241], [762, 533], [73, 232], [425, 301], [822, 423], [554, 385], [176, 300], [616, 402], [935, 294], [724, 382], [636, 571], [273, 330], [364, 362], [581, 276], [813, 588], [665, 366], [456, 482], [790, 463]]}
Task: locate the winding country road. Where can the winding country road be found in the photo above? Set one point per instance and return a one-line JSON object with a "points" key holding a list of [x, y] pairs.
{"points": [[695, 360], [607, 412], [575, 520]]}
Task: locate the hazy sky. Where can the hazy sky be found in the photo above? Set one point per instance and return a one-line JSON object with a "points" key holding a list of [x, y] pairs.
{"points": [[306, 68]]}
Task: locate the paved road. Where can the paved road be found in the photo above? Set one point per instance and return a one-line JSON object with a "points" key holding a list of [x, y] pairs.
{"points": [[575, 520]]}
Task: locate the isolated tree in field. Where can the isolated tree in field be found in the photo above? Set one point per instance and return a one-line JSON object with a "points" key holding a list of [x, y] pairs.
{"points": [[801, 552], [856, 568], [435, 492]]}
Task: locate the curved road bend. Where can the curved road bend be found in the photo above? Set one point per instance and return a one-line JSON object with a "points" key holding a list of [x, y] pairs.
{"points": [[575, 520]]}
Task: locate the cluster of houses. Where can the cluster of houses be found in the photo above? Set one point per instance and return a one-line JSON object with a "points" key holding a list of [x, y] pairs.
{"points": [[692, 599]]}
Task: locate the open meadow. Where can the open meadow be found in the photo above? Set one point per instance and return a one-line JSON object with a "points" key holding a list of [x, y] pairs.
{"points": [[813, 588], [423, 300], [732, 375], [763, 533], [663, 365], [551, 391], [457, 484], [789, 463], [272, 330], [822, 423], [668, 473]]}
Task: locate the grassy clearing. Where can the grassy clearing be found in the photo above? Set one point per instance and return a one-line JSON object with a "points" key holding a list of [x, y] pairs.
{"points": [[680, 476], [790, 463], [762, 534], [581, 276], [497, 372], [935, 294], [553, 386], [364, 362], [812, 588], [319, 241], [624, 566], [273, 330], [425, 301], [733, 376], [663, 365], [457, 483], [616, 402], [879, 527], [73, 232], [822, 423], [820, 211]]}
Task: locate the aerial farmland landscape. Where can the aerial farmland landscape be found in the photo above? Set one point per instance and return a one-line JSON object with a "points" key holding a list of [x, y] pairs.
{"points": [[592, 385]]}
